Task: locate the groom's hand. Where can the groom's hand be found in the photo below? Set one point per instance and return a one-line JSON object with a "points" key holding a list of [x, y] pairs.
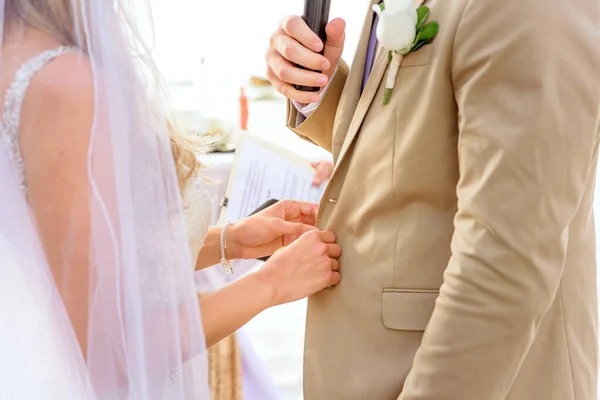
{"points": [[294, 43]]}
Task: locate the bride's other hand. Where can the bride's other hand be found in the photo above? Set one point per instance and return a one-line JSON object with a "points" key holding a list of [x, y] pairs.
{"points": [[278, 226], [307, 266], [323, 171]]}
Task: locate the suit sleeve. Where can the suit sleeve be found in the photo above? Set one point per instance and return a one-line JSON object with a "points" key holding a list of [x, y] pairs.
{"points": [[318, 127], [526, 85]]}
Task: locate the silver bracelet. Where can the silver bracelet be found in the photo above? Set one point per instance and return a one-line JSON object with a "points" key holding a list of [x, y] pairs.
{"points": [[226, 264]]}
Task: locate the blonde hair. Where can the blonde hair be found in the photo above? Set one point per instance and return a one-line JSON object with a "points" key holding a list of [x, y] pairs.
{"points": [[184, 155], [59, 19]]}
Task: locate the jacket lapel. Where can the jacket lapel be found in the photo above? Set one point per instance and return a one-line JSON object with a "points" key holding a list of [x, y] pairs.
{"points": [[366, 99], [380, 66], [352, 90]]}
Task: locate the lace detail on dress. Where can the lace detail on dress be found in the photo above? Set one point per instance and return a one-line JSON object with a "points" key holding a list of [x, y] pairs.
{"points": [[196, 207], [13, 102]]}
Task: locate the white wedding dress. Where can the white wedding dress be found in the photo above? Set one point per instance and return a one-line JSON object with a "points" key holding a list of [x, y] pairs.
{"points": [[28, 324], [29, 316], [196, 207], [54, 374]]}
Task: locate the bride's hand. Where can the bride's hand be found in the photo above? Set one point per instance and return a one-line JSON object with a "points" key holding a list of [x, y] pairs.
{"points": [[263, 234], [307, 266]]}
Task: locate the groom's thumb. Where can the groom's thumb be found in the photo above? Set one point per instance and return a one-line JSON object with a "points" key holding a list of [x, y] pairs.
{"points": [[334, 45]]}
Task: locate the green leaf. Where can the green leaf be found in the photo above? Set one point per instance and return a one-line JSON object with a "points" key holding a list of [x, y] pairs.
{"points": [[422, 14], [382, 6], [428, 32], [419, 45], [425, 35], [390, 56]]}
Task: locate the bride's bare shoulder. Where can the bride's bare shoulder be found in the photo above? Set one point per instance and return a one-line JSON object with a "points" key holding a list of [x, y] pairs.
{"points": [[68, 79], [65, 86], [58, 111]]}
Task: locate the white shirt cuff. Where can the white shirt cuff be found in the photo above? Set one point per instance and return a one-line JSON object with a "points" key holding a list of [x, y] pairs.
{"points": [[307, 109]]}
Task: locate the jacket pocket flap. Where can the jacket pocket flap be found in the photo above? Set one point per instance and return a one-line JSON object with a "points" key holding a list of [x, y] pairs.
{"points": [[422, 56], [407, 310]]}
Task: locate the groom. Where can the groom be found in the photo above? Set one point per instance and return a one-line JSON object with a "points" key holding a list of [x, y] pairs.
{"points": [[464, 206]]}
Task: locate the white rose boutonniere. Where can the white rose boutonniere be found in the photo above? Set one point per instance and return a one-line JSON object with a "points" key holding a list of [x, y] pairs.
{"points": [[402, 30]]}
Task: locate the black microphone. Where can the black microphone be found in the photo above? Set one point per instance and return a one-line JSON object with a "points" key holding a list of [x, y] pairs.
{"points": [[316, 16]]}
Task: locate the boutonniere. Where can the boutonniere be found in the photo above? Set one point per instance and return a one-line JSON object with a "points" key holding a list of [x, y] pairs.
{"points": [[402, 29]]}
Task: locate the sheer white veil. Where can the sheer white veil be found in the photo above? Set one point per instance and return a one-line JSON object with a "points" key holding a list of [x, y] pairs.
{"points": [[145, 338]]}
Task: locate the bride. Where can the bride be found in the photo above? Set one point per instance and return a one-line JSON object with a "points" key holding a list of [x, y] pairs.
{"points": [[97, 294]]}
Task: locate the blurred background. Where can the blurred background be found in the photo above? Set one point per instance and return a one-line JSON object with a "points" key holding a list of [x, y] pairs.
{"points": [[226, 42], [207, 52]]}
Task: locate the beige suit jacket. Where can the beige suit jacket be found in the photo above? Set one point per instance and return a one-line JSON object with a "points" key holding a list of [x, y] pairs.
{"points": [[464, 210]]}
